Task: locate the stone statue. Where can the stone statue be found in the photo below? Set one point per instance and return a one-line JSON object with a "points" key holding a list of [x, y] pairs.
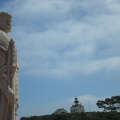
{"points": [[8, 71]]}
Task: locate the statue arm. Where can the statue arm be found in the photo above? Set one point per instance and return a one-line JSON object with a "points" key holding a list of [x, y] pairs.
{"points": [[6, 91], [14, 71]]}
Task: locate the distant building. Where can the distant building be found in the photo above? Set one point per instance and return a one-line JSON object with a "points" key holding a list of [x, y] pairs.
{"points": [[77, 108], [60, 111]]}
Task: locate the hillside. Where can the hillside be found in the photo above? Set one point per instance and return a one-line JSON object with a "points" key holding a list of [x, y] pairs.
{"points": [[78, 116]]}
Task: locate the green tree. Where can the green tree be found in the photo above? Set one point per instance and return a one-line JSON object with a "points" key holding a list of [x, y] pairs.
{"points": [[23, 118], [101, 104], [110, 104]]}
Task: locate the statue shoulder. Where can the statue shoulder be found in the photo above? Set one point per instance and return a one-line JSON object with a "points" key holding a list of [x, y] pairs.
{"points": [[4, 40]]}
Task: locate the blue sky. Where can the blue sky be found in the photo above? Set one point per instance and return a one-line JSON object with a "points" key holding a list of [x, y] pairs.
{"points": [[66, 48]]}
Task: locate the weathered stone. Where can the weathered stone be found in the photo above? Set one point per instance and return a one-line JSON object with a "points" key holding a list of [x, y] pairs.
{"points": [[8, 71]]}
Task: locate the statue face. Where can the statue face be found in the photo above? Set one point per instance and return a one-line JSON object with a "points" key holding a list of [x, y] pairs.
{"points": [[5, 24]]}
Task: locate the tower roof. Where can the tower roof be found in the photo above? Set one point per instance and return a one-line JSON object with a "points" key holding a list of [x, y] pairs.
{"points": [[76, 101]]}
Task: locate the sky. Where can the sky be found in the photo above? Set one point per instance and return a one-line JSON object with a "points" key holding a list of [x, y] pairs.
{"points": [[66, 49]]}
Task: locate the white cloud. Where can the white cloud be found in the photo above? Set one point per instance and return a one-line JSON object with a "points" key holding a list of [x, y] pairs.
{"points": [[108, 64], [60, 38], [67, 47]]}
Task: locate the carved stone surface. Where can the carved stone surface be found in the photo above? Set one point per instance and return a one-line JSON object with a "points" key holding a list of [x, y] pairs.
{"points": [[8, 71]]}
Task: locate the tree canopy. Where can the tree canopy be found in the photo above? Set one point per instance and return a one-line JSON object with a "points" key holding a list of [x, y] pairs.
{"points": [[110, 104]]}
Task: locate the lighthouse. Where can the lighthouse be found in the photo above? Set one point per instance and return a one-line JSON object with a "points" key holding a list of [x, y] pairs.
{"points": [[76, 101], [77, 108]]}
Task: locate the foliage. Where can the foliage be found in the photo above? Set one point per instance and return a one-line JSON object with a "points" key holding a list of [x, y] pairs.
{"points": [[110, 104], [78, 116]]}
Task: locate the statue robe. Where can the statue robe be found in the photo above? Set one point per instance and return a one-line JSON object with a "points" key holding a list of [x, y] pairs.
{"points": [[8, 78]]}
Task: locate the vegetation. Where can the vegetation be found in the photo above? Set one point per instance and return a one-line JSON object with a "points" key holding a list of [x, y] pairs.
{"points": [[110, 104], [78, 116], [111, 110]]}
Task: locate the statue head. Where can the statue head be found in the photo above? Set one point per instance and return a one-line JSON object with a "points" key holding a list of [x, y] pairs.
{"points": [[5, 22]]}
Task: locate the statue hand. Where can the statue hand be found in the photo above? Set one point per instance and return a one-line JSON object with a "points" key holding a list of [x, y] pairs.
{"points": [[9, 95], [13, 69], [17, 105]]}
